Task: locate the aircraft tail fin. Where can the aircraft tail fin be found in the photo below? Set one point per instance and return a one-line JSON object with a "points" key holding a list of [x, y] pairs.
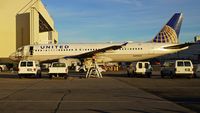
{"points": [[170, 32]]}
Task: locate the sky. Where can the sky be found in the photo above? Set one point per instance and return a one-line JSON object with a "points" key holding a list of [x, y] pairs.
{"points": [[82, 21]]}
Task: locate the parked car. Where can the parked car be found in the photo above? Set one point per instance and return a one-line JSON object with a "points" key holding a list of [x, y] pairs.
{"points": [[58, 70], [177, 68], [29, 68], [139, 68], [3, 68]]}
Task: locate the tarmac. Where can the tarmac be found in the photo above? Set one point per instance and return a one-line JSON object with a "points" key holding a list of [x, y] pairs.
{"points": [[111, 94]]}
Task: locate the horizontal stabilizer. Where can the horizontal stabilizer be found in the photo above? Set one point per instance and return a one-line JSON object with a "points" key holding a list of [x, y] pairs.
{"points": [[179, 46]]}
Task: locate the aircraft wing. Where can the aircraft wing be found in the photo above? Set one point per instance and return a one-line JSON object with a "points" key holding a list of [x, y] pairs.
{"points": [[93, 53], [179, 46], [89, 54]]}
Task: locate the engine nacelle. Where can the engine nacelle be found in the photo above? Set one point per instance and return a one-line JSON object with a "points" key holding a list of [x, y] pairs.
{"points": [[70, 61], [101, 59]]}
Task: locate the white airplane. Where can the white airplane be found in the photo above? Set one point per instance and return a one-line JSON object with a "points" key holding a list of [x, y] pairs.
{"points": [[165, 42]]}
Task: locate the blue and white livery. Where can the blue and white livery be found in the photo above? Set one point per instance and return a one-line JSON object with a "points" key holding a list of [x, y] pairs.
{"points": [[165, 42]]}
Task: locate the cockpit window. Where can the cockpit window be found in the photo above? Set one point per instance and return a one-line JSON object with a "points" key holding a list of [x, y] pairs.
{"points": [[20, 49]]}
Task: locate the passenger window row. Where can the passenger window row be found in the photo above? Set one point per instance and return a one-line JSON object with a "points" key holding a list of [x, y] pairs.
{"points": [[83, 49]]}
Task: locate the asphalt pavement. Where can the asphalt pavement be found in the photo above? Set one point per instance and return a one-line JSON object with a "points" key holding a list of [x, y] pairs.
{"points": [[111, 94]]}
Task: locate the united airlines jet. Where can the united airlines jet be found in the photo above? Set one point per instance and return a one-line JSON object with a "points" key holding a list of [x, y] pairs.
{"points": [[165, 42]]}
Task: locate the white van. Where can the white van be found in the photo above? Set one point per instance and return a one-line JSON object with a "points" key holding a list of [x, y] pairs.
{"points": [[177, 68], [28, 68], [58, 70], [140, 68]]}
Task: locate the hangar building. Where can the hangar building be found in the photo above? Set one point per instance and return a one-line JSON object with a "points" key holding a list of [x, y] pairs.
{"points": [[24, 22]]}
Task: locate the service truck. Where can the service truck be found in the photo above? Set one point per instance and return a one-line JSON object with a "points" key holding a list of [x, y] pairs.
{"points": [[58, 70]]}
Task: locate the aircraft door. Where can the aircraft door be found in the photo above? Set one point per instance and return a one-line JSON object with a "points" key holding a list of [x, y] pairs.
{"points": [[31, 50]]}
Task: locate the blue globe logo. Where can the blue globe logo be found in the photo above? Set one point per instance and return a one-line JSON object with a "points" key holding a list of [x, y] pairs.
{"points": [[166, 35]]}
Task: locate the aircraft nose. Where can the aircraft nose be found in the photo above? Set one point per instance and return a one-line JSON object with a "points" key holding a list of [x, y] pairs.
{"points": [[13, 57]]}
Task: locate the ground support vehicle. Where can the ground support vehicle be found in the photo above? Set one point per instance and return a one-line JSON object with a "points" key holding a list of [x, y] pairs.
{"points": [[29, 68], [139, 69], [177, 68], [58, 70]]}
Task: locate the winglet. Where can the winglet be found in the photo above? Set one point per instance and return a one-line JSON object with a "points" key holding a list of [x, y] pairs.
{"points": [[124, 44], [179, 46]]}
